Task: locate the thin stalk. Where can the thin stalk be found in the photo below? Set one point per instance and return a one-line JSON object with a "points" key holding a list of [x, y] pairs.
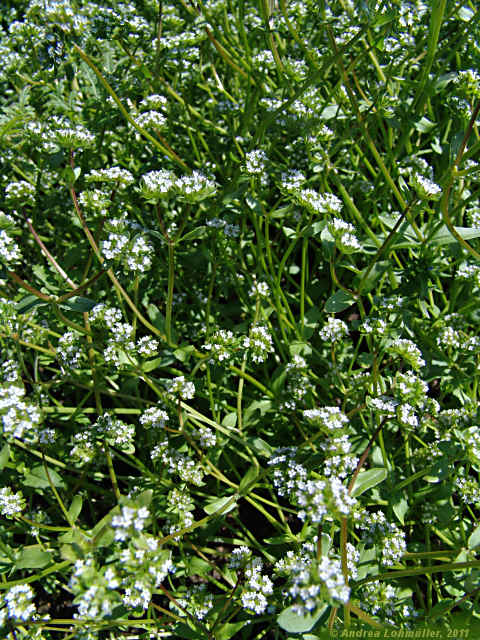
{"points": [[171, 279]]}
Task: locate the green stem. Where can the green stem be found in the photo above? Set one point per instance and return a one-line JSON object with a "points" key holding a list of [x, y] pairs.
{"points": [[56, 494], [171, 279]]}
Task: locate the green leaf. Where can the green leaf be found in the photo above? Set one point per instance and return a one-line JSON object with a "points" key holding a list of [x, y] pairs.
{"points": [[229, 629], [151, 365], [400, 507], [33, 557], [368, 479], [218, 503], [156, 317], [443, 235], [38, 478], [339, 301], [184, 353], [474, 539], [328, 242], [75, 507], [260, 447], [298, 348], [144, 499], [77, 303], [230, 420], [29, 302], [290, 233], [197, 566], [4, 456], [290, 621], [424, 125], [248, 479], [184, 631], [198, 232]]}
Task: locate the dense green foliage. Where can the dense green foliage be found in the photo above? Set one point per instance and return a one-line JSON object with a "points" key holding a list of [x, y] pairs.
{"points": [[239, 280]]}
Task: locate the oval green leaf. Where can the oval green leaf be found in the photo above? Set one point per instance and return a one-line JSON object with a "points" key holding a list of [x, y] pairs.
{"points": [[290, 621], [368, 479], [339, 301]]}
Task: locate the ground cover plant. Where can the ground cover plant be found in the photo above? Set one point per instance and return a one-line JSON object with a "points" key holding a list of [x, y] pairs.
{"points": [[239, 294]]}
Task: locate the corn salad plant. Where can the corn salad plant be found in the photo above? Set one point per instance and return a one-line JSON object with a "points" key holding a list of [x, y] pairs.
{"points": [[239, 299]]}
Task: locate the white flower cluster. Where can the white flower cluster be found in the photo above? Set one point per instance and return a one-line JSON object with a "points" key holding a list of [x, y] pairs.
{"points": [[150, 119], [386, 535], [344, 234], [292, 180], [19, 604], [154, 418], [11, 504], [147, 346], [320, 499], [10, 252], [130, 521], [180, 503], [175, 462], [230, 230], [222, 346], [468, 490], [71, 136], [179, 387], [69, 350], [374, 326], [257, 588], [298, 382], [471, 438], [117, 433], [338, 463], [318, 203], [110, 317], [259, 342], [195, 187], [379, 599], [239, 557], [97, 200], [126, 245], [157, 184], [425, 188], [115, 176], [469, 81], [264, 60], [473, 213], [260, 289], [143, 565], [120, 335], [408, 350], [314, 582], [469, 272], [334, 330], [106, 427], [448, 337], [287, 562], [205, 436], [287, 472], [406, 415], [410, 388], [192, 188], [19, 417], [22, 192], [255, 162], [197, 601], [330, 418], [153, 101], [394, 545]]}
